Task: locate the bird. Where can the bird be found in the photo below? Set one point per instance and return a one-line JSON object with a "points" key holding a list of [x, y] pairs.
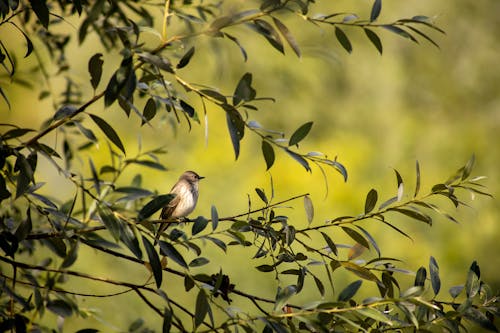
{"points": [[184, 201]]}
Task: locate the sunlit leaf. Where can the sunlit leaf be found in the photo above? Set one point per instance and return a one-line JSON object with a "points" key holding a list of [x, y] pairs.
{"points": [[473, 282]]}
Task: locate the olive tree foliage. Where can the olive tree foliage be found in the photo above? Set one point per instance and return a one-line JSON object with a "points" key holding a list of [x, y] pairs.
{"points": [[117, 219]]}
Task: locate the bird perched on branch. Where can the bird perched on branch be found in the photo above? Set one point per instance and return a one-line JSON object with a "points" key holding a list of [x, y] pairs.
{"points": [[184, 202]]}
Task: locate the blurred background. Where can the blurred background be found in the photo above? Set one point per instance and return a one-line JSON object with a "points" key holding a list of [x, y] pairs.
{"points": [[375, 113]]}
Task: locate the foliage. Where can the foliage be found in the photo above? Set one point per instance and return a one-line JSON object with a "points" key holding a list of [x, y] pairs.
{"points": [[115, 218]]}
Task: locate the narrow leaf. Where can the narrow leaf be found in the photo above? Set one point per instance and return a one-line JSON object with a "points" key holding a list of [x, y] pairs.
{"points": [[272, 36], [215, 218], [201, 308], [374, 39], [349, 291], [417, 181], [149, 111], [371, 200], [377, 7], [170, 251], [186, 58], [299, 159], [41, 11], [283, 296], [330, 243], [356, 236], [434, 274], [300, 134], [287, 35], [236, 129], [244, 91], [95, 69], [268, 152], [473, 282], [108, 131], [154, 261], [309, 208], [154, 205], [420, 277], [343, 40]]}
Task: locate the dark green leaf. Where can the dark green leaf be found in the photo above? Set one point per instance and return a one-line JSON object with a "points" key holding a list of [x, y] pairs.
{"points": [[244, 91], [154, 261], [170, 251], [468, 167], [186, 58], [25, 175], [25, 227], [283, 296], [215, 95], [71, 256], [456, 290], [473, 283], [155, 60], [265, 268], [434, 275], [371, 200], [262, 195], [356, 236], [330, 243], [373, 37], [201, 308], [420, 33], [300, 133], [237, 42], [481, 319], [370, 239], [215, 218], [41, 11], [288, 36], [268, 152], [377, 7], [95, 69], [362, 272], [60, 307], [236, 128], [108, 131], [95, 177], [217, 242], [123, 76], [167, 321], [349, 291], [272, 36], [110, 221], [129, 238], [320, 286], [149, 111], [420, 277], [199, 225], [417, 181], [299, 159], [400, 183], [15, 133], [414, 214], [4, 192], [86, 132], [187, 108], [149, 164], [343, 40], [200, 261], [154, 205], [400, 32]]}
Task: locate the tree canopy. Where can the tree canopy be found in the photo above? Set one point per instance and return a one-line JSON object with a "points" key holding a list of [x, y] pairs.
{"points": [[73, 191]]}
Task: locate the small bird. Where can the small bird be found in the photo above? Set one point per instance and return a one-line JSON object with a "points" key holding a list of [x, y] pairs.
{"points": [[184, 202]]}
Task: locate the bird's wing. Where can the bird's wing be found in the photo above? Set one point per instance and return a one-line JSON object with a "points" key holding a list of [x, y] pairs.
{"points": [[167, 211]]}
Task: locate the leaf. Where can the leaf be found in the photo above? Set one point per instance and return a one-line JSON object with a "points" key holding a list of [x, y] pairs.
{"points": [[201, 308], [356, 236], [283, 296], [236, 128], [186, 58], [60, 307], [95, 177], [371, 200], [481, 319], [154, 261], [355, 251], [400, 185], [299, 159], [108, 131], [309, 208], [473, 283], [265, 268], [374, 39], [197, 262], [170, 251], [244, 91], [420, 277], [376, 8], [300, 134], [187, 108], [374, 314], [149, 111], [455, 291], [95, 69], [268, 152], [237, 42], [468, 167], [417, 181], [129, 238], [4, 192], [154, 205], [215, 218], [370, 239], [343, 40], [287, 35], [110, 222], [320, 286], [400, 32], [41, 11], [414, 214], [199, 225], [272, 36], [434, 275], [362, 272], [349, 291], [330, 243]]}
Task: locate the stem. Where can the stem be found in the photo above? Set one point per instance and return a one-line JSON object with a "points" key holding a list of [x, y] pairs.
{"points": [[166, 14]]}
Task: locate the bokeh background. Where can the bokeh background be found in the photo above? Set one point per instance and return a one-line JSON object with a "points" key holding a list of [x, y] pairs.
{"points": [[375, 113]]}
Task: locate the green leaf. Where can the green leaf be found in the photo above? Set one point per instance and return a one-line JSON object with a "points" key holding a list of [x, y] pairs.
{"points": [[376, 8], [287, 35], [4, 192], [420, 277], [309, 208], [371, 200], [265, 268], [200, 261], [25, 226], [455, 291], [414, 214], [319, 285], [370, 239], [343, 40], [199, 225], [349, 291], [362, 272], [300, 134], [95, 69], [154, 261], [129, 238], [41, 11], [149, 111], [186, 58], [15, 133], [215, 218], [154, 205], [374, 314], [400, 32], [237, 42], [236, 128], [299, 159], [110, 221], [272, 36], [283, 296], [468, 167], [95, 177], [473, 283], [417, 181], [400, 183], [262, 195], [187, 108], [356, 236], [374, 39], [170, 251], [201, 308], [434, 274], [108, 131], [268, 152], [480, 319], [244, 91], [330, 243], [60, 307]]}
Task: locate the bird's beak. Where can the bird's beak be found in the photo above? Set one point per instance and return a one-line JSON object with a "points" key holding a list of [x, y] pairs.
{"points": [[200, 177]]}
